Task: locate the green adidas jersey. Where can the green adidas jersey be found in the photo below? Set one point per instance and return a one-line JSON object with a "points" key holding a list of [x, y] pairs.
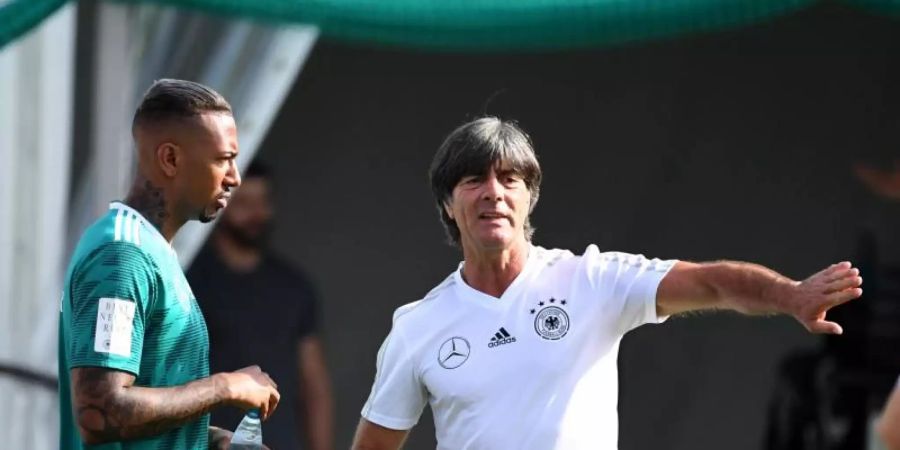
{"points": [[127, 306]]}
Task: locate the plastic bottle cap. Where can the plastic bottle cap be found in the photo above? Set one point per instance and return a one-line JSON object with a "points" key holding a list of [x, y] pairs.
{"points": [[253, 413]]}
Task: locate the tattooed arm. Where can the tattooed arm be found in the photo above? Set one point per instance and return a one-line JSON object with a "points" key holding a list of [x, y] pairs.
{"points": [[110, 408]]}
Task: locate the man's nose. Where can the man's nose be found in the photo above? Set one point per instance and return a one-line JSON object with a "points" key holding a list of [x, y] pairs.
{"points": [[233, 178], [493, 189]]}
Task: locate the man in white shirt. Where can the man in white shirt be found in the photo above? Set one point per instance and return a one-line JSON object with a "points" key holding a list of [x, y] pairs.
{"points": [[889, 424], [517, 348]]}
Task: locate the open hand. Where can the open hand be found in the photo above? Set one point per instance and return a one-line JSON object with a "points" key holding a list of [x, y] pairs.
{"points": [[810, 299]]}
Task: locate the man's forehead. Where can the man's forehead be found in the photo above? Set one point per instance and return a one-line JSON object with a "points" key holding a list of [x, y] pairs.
{"points": [[216, 127], [503, 166], [483, 167], [218, 121]]}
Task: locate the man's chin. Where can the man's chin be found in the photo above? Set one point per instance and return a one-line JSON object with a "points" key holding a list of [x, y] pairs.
{"points": [[496, 241], [208, 216]]}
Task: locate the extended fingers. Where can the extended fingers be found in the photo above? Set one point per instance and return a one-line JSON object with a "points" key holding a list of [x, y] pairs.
{"points": [[836, 270], [830, 273], [844, 296], [836, 267], [850, 280], [842, 272], [825, 327]]}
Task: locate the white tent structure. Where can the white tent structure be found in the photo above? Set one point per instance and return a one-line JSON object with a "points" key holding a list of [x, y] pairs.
{"points": [[36, 82], [44, 207]]}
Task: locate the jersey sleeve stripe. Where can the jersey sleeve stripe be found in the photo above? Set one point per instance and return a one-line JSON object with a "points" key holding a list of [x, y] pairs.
{"points": [[129, 220], [118, 234]]}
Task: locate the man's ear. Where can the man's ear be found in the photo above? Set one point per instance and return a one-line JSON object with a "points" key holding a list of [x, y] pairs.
{"points": [[448, 209], [168, 158]]}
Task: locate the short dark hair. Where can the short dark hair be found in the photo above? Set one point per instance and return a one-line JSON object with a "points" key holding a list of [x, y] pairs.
{"points": [[473, 149], [169, 99]]}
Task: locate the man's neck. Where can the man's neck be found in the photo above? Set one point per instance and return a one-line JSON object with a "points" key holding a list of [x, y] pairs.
{"points": [[149, 199], [492, 272], [238, 257]]}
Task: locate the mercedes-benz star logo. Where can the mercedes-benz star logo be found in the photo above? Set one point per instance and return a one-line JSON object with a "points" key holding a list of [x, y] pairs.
{"points": [[454, 352]]}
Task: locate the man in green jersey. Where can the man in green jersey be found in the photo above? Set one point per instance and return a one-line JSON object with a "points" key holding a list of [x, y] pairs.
{"points": [[133, 346]]}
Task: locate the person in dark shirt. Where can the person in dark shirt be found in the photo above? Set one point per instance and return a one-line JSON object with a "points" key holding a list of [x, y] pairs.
{"points": [[884, 246], [825, 397], [260, 310]]}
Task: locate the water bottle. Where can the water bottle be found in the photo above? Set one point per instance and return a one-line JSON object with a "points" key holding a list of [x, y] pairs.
{"points": [[248, 435]]}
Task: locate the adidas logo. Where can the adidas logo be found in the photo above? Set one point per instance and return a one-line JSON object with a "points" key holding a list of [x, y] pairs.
{"points": [[501, 337]]}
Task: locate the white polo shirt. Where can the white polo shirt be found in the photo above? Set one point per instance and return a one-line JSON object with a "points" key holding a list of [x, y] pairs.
{"points": [[534, 369]]}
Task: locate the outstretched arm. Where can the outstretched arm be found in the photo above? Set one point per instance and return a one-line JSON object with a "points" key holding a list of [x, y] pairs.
{"points": [[754, 289], [109, 408]]}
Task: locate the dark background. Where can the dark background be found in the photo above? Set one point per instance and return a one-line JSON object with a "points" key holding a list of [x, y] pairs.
{"points": [[733, 145]]}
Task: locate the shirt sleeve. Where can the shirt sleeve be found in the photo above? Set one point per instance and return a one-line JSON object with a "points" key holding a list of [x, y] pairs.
{"points": [[111, 294], [398, 397], [626, 284]]}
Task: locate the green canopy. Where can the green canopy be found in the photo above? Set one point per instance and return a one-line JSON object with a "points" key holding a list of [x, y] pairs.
{"points": [[484, 25], [476, 25], [19, 16], [887, 7]]}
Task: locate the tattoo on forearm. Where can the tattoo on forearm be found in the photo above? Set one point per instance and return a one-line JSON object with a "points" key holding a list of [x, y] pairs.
{"points": [[108, 409], [150, 202]]}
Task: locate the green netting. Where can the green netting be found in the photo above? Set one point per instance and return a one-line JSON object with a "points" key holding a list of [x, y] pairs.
{"points": [[887, 7], [19, 16], [477, 25], [485, 25]]}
